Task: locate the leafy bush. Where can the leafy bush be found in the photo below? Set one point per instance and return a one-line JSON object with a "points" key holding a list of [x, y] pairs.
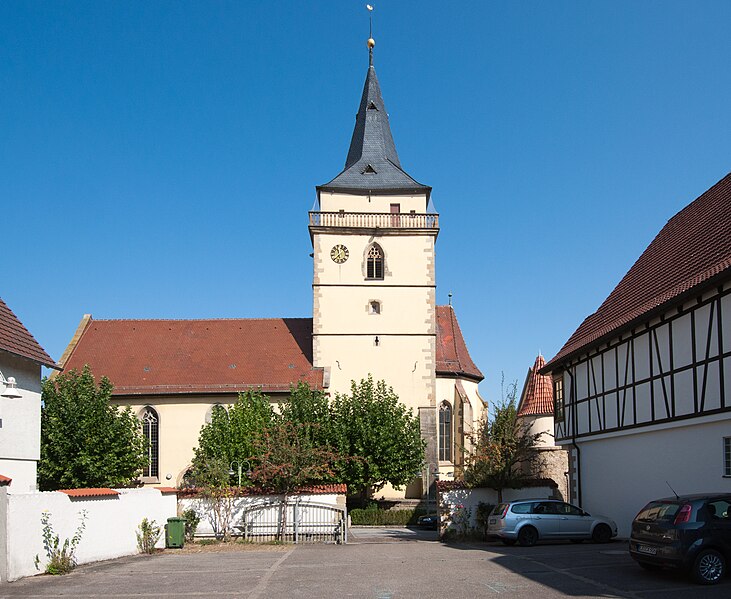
{"points": [[192, 519], [205, 542], [148, 532], [482, 517], [377, 517], [461, 517], [61, 558]]}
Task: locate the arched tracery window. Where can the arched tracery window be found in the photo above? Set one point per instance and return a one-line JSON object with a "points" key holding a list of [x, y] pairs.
{"points": [[374, 262], [214, 408], [445, 432], [151, 431]]}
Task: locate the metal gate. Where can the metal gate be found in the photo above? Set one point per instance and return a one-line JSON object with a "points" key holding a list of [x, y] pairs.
{"points": [[294, 521]]}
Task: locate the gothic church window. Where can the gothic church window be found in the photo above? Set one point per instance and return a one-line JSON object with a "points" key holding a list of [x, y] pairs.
{"points": [[151, 431], [214, 408], [445, 432], [374, 262]]}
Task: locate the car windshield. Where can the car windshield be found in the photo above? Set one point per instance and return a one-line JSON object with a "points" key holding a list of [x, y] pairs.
{"points": [[658, 511], [499, 509]]}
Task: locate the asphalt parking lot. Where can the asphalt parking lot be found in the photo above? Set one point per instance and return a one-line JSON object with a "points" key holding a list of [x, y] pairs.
{"points": [[385, 563]]}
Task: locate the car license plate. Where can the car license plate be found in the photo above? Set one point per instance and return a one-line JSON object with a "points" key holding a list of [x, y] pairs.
{"points": [[493, 520], [647, 549]]}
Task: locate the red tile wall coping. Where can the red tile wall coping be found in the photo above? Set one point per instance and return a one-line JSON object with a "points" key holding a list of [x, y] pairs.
{"points": [[5, 481], [336, 489], [692, 249], [16, 339], [92, 492], [167, 490]]}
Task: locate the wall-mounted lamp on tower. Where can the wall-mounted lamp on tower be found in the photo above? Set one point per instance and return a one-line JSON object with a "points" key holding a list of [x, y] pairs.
{"points": [[11, 387], [377, 341]]}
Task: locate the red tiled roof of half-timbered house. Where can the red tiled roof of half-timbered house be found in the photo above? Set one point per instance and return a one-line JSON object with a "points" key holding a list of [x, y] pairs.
{"points": [[16, 339], [157, 357], [691, 250], [452, 355], [537, 396]]}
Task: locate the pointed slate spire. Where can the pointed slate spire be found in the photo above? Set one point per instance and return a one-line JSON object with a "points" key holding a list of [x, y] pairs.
{"points": [[373, 163]]}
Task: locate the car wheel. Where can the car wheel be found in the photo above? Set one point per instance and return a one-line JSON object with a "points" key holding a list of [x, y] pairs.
{"points": [[649, 567], [709, 567], [601, 534], [508, 542], [528, 536]]}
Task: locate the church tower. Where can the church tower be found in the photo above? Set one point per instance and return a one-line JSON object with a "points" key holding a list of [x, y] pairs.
{"points": [[374, 285]]}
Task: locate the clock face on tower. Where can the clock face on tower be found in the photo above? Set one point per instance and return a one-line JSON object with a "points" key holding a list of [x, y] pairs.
{"points": [[339, 253]]}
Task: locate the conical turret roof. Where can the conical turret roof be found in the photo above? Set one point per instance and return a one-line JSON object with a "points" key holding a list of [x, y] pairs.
{"points": [[373, 164], [537, 396]]}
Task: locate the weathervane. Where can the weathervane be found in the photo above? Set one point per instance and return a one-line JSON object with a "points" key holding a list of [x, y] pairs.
{"points": [[371, 42]]}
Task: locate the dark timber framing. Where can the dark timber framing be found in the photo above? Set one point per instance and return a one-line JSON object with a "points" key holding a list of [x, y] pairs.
{"points": [[614, 382]]}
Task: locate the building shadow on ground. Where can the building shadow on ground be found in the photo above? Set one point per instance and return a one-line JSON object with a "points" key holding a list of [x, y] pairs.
{"points": [[588, 569]]}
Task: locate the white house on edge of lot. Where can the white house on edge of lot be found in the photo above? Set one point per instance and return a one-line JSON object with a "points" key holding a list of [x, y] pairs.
{"points": [[21, 358]]}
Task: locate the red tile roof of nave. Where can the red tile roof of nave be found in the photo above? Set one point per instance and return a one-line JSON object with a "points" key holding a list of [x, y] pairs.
{"points": [[156, 357], [91, 492], [4, 480], [16, 339], [537, 396], [452, 355], [693, 248]]}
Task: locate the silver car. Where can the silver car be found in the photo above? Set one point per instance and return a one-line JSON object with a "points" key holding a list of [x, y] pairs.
{"points": [[529, 520]]}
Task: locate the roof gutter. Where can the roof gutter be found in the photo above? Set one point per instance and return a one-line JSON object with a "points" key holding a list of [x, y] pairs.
{"points": [[572, 402]]}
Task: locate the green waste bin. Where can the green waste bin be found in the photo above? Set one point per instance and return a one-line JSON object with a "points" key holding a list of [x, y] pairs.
{"points": [[175, 533]]}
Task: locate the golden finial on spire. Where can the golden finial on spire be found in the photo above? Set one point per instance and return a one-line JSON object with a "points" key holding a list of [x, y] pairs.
{"points": [[371, 42]]}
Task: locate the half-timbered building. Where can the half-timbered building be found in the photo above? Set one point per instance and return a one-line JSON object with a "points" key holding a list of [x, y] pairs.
{"points": [[642, 389]]}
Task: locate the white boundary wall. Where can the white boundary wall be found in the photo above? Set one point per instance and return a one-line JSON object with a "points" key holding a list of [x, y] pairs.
{"points": [[111, 525], [470, 498], [203, 509]]}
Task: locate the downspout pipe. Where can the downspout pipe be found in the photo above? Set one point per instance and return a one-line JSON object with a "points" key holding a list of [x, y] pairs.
{"points": [[572, 402]]}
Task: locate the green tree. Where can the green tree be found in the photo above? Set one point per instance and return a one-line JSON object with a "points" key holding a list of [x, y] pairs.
{"points": [[231, 433], [212, 480], [86, 441], [309, 410], [378, 438], [505, 450], [287, 459]]}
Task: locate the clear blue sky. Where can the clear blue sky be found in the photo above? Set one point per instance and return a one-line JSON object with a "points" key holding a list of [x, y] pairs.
{"points": [[158, 159]]}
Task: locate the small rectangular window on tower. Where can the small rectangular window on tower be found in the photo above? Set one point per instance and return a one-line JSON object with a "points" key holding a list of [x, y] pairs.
{"points": [[727, 456], [558, 401]]}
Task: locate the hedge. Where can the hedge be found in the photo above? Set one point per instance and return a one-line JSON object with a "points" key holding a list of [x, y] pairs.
{"points": [[371, 517]]}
